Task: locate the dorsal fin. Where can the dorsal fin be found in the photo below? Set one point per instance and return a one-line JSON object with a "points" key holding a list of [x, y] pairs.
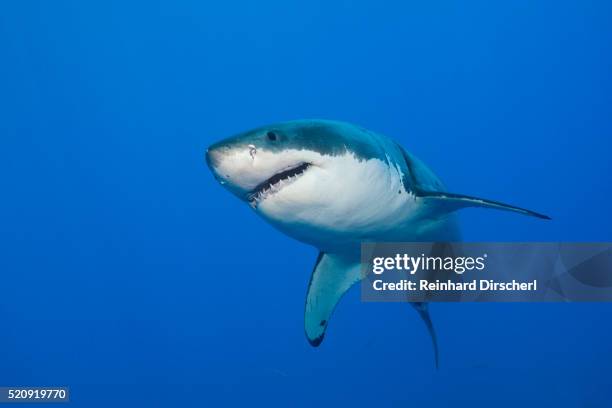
{"points": [[332, 276]]}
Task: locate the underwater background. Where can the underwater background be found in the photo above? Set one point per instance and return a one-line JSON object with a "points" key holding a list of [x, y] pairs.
{"points": [[129, 275]]}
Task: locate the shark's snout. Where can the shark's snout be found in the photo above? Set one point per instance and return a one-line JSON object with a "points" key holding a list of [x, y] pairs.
{"points": [[255, 171], [213, 156], [231, 165]]}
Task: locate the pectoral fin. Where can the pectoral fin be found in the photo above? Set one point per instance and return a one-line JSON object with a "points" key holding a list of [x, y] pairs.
{"points": [[451, 202], [332, 276]]}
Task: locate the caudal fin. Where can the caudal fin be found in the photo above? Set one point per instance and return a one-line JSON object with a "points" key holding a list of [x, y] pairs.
{"points": [[423, 311]]}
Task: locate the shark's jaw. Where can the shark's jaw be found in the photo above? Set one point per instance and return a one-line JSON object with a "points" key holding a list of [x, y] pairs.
{"points": [[276, 183]]}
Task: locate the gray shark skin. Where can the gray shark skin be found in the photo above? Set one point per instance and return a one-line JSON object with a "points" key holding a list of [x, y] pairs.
{"points": [[334, 185]]}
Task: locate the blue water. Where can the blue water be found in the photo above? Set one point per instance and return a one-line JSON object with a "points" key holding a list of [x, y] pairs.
{"points": [[131, 276]]}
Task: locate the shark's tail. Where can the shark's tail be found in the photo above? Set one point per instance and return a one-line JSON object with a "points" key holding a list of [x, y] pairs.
{"points": [[423, 310]]}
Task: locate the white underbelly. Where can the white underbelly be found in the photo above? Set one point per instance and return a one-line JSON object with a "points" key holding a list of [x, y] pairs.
{"points": [[349, 201]]}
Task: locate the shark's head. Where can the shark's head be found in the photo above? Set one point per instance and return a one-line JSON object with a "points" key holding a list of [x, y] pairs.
{"points": [[258, 164], [272, 163], [303, 173]]}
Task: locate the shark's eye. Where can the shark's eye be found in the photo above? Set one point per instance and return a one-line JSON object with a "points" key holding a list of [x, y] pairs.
{"points": [[271, 136]]}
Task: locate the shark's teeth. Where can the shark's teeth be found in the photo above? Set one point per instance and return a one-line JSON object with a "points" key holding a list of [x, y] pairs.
{"points": [[276, 183]]}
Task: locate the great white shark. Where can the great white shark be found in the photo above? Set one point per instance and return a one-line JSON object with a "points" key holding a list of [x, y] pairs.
{"points": [[335, 185]]}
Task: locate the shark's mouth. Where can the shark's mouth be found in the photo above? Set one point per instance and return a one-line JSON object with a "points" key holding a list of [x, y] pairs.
{"points": [[275, 183]]}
